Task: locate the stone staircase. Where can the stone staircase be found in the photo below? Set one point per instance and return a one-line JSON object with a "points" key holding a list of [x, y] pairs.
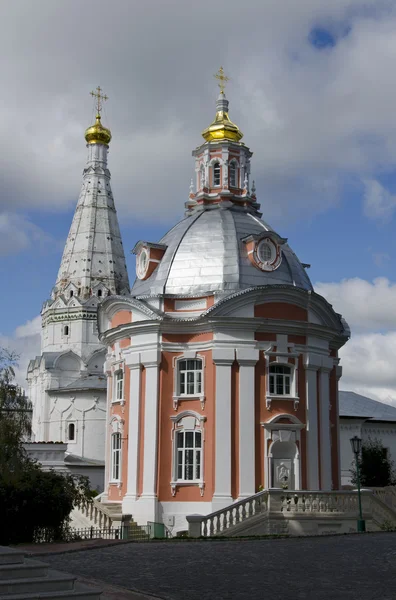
{"points": [[24, 579], [298, 513], [106, 515]]}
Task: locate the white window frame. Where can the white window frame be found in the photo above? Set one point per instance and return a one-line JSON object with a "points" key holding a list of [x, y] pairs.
{"points": [[282, 360], [115, 452], [74, 440], [187, 422], [119, 386], [197, 395], [285, 378], [216, 164]]}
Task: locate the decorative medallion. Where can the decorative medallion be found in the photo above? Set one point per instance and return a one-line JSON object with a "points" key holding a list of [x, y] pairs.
{"points": [[266, 254], [142, 263]]}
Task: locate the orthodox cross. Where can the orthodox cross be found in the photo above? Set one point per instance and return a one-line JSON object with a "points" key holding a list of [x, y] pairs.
{"points": [[99, 98], [222, 79]]}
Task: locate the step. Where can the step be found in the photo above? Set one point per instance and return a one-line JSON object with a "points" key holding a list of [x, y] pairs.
{"points": [[54, 582], [80, 592], [29, 568], [10, 556]]}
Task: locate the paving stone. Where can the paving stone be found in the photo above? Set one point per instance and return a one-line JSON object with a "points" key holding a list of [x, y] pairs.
{"points": [[351, 567]]}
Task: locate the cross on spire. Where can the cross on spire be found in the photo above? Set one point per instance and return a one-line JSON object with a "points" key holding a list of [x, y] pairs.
{"points": [[99, 98], [222, 79]]}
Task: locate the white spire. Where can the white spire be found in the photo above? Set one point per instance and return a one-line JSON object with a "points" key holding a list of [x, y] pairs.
{"points": [[93, 253]]}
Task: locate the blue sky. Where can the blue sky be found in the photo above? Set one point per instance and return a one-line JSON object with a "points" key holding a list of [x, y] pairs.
{"points": [[312, 88]]}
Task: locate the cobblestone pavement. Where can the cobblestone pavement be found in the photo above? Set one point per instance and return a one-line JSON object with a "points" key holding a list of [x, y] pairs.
{"points": [[359, 567]]}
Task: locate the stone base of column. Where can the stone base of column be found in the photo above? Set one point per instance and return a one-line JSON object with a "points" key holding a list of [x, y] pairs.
{"points": [[219, 502], [142, 509]]}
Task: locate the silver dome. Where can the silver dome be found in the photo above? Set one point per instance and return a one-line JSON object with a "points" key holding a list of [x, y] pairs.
{"points": [[205, 254]]}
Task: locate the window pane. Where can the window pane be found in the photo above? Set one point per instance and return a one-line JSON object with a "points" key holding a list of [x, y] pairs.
{"points": [[180, 464], [271, 385], [189, 439], [179, 439], [197, 464], [182, 383], [287, 385], [182, 365], [189, 466], [279, 384], [198, 439]]}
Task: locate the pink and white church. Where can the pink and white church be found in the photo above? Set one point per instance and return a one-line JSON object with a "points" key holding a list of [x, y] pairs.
{"points": [[222, 361]]}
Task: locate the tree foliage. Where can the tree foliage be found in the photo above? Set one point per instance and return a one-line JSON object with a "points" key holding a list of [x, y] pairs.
{"points": [[32, 501], [376, 468]]}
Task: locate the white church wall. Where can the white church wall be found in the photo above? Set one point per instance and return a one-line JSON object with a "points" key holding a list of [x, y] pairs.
{"points": [[348, 429]]}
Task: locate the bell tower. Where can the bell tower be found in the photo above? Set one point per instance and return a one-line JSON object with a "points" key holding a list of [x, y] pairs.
{"points": [[66, 382], [222, 163]]}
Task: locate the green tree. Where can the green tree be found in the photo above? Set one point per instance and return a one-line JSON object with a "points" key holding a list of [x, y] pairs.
{"points": [[15, 418], [376, 467], [34, 504]]}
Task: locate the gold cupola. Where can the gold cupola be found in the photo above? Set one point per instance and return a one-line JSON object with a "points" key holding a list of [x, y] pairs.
{"points": [[222, 127], [97, 134]]}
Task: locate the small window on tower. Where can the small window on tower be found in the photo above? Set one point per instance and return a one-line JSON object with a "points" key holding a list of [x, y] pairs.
{"points": [[71, 432], [216, 174], [99, 293], [233, 175], [71, 293], [66, 330]]}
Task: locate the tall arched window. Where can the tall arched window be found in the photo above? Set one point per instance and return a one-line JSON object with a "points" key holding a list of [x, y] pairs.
{"points": [[66, 330], [216, 174], [188, 455], [119, 385], [233, 174], [116, 457], [189, 376], [71, 432], [280, 380], [99, 293]]}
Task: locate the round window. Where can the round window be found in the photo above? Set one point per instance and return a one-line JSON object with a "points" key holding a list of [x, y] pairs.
{"points": [[142, 263], [265, 252]]}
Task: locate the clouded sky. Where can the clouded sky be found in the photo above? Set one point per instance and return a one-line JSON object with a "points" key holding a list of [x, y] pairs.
{"points": [[313, 88]]}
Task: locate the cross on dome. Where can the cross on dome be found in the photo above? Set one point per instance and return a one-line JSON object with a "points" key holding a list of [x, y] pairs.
{"points": [[99, 98], [222, 79], [97, 134]]}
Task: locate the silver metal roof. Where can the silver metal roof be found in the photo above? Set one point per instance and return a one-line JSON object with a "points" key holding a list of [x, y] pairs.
{"points": [[205, 254], [355, 405]]}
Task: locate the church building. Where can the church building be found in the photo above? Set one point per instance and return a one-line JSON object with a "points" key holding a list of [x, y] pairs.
{"points": [[67, 385], [222, 362]]}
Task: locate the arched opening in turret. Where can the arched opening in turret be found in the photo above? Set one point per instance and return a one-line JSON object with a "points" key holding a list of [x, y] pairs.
{"points": [[233, 174], [99, 293], [216, 174], [71, 293], [66, 330]]}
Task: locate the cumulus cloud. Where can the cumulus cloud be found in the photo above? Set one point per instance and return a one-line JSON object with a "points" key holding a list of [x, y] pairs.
{"points": [[310, 115], [368, 362], [26, 342], [17, 233], [364, 304], [378, 202]]}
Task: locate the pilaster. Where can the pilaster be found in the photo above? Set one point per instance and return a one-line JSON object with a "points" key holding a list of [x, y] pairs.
{"points": [[324, 419], [150, 361], [223, 359], [247, 359], [312, 363], [132, 362]]}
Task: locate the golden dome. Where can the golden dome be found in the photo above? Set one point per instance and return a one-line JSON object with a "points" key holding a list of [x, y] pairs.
{"points": [[97, 134], [222, 128]]}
